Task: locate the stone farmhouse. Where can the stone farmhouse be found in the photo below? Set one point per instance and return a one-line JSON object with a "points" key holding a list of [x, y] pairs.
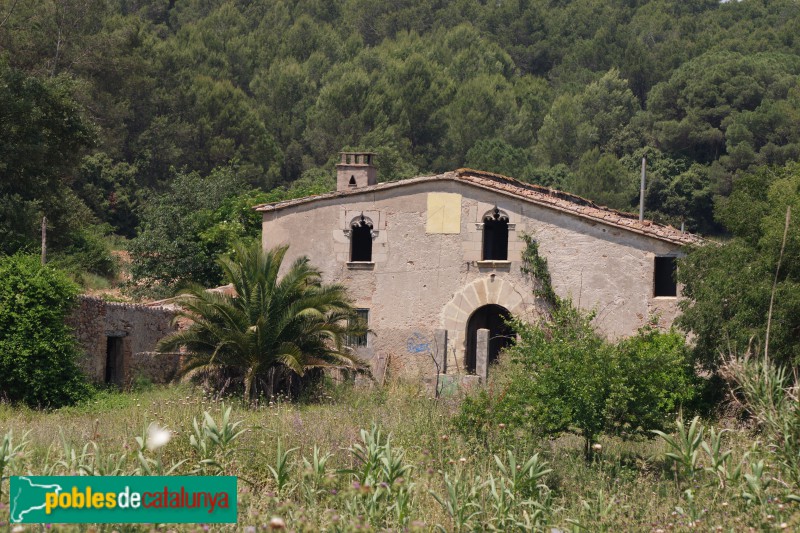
{"points": [[431, 261]]}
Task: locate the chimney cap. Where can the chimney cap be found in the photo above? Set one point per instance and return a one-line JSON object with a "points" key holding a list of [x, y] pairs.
{"points": [[359, 159]]}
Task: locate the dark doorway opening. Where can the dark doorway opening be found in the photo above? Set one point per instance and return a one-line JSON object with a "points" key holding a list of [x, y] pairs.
{"points": [[114, 360], [492, 317], [361, 240]]}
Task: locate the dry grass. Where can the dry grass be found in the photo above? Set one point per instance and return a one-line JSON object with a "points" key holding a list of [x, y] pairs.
{"points": [[629, 487]]}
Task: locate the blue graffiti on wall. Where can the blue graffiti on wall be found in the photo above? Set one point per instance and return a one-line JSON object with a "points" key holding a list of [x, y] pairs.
{"points": [[418, 343]]}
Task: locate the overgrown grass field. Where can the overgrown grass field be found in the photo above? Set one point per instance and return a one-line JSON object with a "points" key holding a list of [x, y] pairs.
{"points": [[390, 459]]}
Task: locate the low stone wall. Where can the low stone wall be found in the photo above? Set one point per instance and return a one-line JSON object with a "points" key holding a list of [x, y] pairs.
{"points": [[125, 334], [154, 367]]}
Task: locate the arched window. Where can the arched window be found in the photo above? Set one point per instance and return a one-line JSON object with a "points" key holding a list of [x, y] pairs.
{"points": [[495, 236], [361, 239], [352, 182]]}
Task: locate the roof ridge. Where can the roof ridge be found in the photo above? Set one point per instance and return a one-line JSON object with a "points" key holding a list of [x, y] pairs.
{"points": [[557, 193], [538, 194]]}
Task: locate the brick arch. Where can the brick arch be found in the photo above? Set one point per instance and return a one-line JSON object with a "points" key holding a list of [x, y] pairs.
{"points": [[486, 290]]}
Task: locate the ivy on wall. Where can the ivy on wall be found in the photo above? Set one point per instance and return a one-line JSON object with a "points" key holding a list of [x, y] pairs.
{"points": [[535, 266]]}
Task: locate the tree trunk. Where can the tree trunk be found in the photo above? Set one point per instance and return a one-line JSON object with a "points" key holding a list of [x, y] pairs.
{"points": [[249, 378], [271, 383]]}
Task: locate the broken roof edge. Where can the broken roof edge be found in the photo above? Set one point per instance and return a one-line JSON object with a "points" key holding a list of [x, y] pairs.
{"points": [[561, 201]]}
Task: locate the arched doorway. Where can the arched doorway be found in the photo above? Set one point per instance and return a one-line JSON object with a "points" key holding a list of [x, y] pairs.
{"points": [[491, 317]]}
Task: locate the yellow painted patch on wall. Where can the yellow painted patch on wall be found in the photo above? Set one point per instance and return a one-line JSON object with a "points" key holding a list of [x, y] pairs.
{"points": [[444, 213]]}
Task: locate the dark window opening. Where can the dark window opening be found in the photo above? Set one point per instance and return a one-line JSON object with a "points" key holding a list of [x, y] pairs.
{"points": [[665, 270], [495, 236], [361, 240], [352, 181], [114, 360], [359, 341], [492, 317]]}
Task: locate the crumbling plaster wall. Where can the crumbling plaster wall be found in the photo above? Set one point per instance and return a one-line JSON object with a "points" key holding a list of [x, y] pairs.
{"points": [[421, 282], [140, 328]]}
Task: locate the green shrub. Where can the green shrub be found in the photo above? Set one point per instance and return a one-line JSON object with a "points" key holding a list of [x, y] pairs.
{"points": [[655, 379], [38, 352], [87, 255], [564, 377]]}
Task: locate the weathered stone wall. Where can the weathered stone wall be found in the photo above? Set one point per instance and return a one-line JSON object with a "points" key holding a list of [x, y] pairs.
{"points": [[138, 327], [155, 367], [421, 281]]}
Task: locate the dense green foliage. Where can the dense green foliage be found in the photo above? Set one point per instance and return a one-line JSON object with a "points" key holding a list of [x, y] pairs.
{"points": [[729, 286], [44, 133], [564, 377], [197, 220], [566, 94], [271, 325], [38, 351]]}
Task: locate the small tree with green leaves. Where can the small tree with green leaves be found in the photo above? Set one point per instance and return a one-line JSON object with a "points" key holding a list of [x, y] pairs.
{"points": [[38, 352], [566, 378]]}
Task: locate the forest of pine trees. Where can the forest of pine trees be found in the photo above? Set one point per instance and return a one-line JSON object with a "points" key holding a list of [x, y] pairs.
{"points": [[162, 121]]}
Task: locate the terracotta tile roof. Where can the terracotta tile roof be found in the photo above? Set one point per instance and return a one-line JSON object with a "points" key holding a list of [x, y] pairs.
{"points": [[536, 194]]}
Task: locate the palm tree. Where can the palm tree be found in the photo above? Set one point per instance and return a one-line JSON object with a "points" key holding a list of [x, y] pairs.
{"points": [[293, 323]]}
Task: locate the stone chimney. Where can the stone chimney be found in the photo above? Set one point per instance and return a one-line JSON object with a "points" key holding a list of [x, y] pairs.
{"points": [[356, 170]]}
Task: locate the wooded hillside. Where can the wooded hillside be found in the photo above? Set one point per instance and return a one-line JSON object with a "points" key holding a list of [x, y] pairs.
{"points": [[109, 108]]}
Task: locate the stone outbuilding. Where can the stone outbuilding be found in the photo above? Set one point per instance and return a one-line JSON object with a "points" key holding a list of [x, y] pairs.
{"points": [[431, 260], [119, 341]]}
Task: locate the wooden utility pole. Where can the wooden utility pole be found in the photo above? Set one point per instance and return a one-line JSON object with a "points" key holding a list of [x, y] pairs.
{"points": [[641, 192], [44, 240]]}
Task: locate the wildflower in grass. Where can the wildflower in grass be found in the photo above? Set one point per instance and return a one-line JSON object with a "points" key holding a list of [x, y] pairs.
{"points": [[277, 523], [157, 437]]}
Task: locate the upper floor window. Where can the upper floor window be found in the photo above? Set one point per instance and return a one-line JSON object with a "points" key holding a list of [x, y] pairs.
{"points": [[664, 283], [361, 239], [495, 236]]}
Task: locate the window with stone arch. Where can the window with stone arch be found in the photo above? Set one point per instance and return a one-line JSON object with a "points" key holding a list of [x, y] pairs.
{"points": [[495, 235], [361, 233]]}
